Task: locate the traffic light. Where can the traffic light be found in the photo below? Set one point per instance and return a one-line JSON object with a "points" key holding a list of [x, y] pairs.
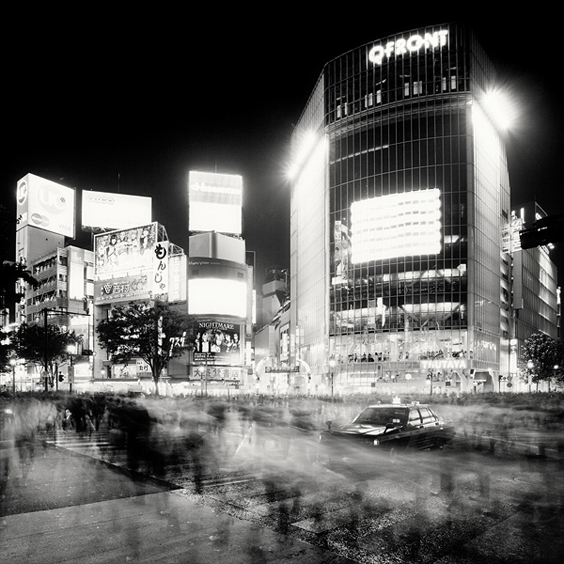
{"points": [[61, 377]]}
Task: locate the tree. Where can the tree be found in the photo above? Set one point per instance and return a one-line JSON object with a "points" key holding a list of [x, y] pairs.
{"points": [[44, 345], [10, 274], [155, 334], [543, 358], [6, 349]]}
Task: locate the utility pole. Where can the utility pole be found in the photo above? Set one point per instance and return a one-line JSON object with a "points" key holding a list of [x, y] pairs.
{"points": [[45, 351]]}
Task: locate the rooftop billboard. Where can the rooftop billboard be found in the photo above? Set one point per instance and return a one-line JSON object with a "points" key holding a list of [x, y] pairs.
{"points": [[215, 202], [105, 210], [46, 205]]}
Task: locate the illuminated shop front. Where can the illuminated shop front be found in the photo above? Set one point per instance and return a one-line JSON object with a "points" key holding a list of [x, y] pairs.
{"points": [[133, 264], [397, 210]]}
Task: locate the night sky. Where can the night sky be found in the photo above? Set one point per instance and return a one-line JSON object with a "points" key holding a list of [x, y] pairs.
{"points": [[131, 102]]}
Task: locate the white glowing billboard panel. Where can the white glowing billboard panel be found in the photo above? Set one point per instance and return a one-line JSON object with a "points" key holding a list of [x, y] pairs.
{"points": [[114, 211], [215, 202], [46, 205], [398, 225], [217, 287], [213, 296]]}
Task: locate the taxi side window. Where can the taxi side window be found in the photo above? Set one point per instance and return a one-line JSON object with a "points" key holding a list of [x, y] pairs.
{"points": [[414, 417], [426, 415]]}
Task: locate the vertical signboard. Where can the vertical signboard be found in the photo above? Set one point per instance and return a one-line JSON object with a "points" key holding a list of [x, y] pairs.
{"points": [[160, 270]]}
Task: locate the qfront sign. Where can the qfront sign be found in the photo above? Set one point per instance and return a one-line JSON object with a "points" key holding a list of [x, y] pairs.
{"points": [[407, 46]]}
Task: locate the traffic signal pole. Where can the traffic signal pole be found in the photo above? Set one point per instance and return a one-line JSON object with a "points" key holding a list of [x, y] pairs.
{"points": [[46, 313], [45, 351]]}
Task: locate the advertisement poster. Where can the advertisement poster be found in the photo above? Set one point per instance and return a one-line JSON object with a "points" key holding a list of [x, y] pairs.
{"points": [[217, 343], [119, 253]]}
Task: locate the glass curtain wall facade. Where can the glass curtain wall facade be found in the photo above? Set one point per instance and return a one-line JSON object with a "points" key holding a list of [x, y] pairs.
{"points": [[413, 184]]}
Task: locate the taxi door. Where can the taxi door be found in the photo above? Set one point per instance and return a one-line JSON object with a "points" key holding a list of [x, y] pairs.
{"points": [[430, 428], [415, 429]]}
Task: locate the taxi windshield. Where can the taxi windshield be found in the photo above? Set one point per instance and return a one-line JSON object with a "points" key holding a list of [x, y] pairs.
{"points": [[381, 416]]}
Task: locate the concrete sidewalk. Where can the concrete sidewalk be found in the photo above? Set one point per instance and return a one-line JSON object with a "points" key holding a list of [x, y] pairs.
{"points": [[152, 528], [76, 510]]}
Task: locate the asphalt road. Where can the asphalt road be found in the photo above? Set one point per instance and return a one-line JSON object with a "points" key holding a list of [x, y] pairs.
{"points": [[71, 507]]}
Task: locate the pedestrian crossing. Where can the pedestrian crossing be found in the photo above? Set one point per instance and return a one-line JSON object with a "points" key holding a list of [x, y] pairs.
{"points": [[97, 445], [102, 446]]}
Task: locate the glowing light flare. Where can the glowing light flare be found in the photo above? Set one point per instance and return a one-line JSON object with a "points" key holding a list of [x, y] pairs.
{"points": [[303, 149], [500, 108]]}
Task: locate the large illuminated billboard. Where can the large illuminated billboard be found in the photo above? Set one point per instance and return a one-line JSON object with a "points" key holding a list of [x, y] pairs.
{"points": [[215, 202], [105, 210], [46, 205], [217, 287], [124, 252], [397, 225]]}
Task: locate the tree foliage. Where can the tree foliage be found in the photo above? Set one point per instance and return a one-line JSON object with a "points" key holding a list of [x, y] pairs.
{"points": [[154, 334], [46, 346], [10, 273], [543, 357], [6, 349]]}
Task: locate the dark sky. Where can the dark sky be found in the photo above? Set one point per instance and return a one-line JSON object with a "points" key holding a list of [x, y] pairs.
{"points": [[131, 102]]}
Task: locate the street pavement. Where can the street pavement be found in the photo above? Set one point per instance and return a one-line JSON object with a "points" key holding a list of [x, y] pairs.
{"points": [[76, 509]]}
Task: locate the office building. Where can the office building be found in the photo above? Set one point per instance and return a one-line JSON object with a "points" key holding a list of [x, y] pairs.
{"points": [[401, 192]]}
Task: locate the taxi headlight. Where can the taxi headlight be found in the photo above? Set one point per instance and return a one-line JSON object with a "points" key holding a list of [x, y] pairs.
{"points": [[376, 442]]}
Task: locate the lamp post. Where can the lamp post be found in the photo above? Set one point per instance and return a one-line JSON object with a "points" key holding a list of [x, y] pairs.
{"points": [[530, 366], [13, 365], [203, 370], [72, 350], [555, 368], [332, 364]]}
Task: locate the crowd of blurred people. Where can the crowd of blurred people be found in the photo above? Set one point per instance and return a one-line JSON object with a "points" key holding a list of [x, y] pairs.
{"points": [[198, 434]]}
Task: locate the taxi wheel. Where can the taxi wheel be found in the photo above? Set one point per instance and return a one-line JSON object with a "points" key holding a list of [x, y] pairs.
{"points": [[439, 445]]}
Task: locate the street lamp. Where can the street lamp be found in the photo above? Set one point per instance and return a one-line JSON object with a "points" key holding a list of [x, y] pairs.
{"points": [[13, 365], [530, 366], [555, 368], [203, 370], [332, 364], [72, 350]]}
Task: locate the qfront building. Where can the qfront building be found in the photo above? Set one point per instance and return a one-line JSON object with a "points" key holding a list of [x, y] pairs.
{"points": [[400, 195]]}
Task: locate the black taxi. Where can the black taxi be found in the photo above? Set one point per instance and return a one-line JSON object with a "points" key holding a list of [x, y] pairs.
{"points": [[392, 428]]}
